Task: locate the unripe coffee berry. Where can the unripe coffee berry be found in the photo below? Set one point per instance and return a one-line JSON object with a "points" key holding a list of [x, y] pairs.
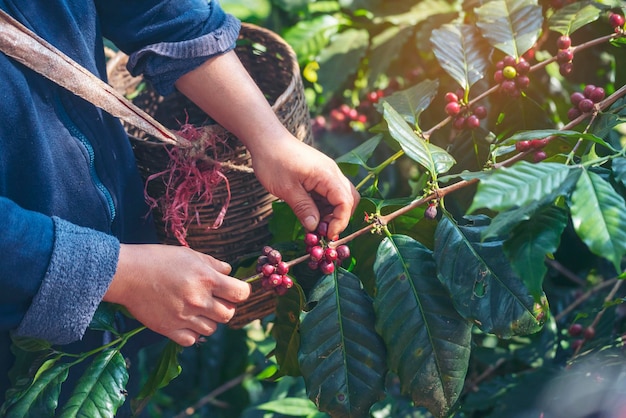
{"points": [[509, 72]]}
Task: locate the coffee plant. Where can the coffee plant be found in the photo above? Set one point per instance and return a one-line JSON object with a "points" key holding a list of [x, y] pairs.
{"points": [[488, 284]]}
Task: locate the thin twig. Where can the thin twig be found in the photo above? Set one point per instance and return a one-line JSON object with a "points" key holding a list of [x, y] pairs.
{"points": [[210, 397], [584, 297], [565, 272]]}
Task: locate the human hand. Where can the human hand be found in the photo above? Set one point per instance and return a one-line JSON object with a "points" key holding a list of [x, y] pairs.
{"points": [[309, 181], [175, 291]]}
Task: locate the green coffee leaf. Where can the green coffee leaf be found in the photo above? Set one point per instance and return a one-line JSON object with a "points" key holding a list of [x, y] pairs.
{"points": [[293, 407], [618, 167], [164, 371], [342, 358], [520, 184], [341, 59], [428, 342], [531, 241], [512, 26], [572, 17], [462, 52], [286, 331], [410, 103], [309, 37], [385, 49], [358, 157], [101, 389], [599, 217], [41, 398], [431, 157], [483, 285]]}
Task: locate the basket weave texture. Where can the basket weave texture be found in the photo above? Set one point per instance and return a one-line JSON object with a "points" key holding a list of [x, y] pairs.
{"points": [[273, 65]]}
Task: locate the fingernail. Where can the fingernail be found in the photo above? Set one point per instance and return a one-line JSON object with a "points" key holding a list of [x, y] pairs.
{"points": [[310, 223]]}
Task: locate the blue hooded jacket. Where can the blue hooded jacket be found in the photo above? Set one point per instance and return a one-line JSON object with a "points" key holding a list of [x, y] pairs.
{"points": [[69, 188]]}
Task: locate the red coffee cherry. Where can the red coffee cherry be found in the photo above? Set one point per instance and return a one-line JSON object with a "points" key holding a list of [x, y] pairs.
{"points": [[326, 267], [564, 42], [343, 252], [317, 253], [575, 330]]}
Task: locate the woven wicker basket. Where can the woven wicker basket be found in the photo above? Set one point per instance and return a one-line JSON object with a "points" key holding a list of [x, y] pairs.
{"points": [[273, 65]]}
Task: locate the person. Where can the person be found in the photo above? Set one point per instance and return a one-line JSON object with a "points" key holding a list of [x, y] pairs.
{"points": [[73, 223]]}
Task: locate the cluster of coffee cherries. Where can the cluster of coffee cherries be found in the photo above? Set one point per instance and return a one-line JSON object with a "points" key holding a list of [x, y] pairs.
{"points": [[565, 55], [584, 102], [512, 75], [577, 330], [616, 21], [321, 255], [464, 117], [536, 145], [274, 271]]}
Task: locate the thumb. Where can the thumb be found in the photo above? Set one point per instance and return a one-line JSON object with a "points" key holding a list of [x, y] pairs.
{"points": [[304, 208]]}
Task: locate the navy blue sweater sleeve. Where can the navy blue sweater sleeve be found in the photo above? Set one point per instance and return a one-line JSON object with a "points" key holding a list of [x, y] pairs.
{"points": [[46, 247], [166, 39]]}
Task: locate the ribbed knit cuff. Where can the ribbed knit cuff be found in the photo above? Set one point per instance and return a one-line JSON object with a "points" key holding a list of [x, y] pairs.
{"points": [[164, 63], [81, 268]]}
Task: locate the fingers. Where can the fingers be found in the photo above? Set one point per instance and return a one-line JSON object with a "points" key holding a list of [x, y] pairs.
{"points": [[232, 290], [344, 202], [304, 207]]}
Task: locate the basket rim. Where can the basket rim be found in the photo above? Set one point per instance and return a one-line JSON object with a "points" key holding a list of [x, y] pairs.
{"points": [[119, 60]]}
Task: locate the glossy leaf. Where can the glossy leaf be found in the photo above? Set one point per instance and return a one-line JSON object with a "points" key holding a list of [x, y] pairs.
{"points": [[462, 52], [428, 342], [531, 241], [309, 37], [431, 157], [167, 369], [341, 356], [286, 331], [484, 287], [599, 217], [572, 17], [385, 49], [104, 318], [357, 157], [520, 184], [101, 389], [41, 398], [504, 222], [512, 26], [294, 407], [409, 13], [618, 167], [341, 59], [411, 102]]}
